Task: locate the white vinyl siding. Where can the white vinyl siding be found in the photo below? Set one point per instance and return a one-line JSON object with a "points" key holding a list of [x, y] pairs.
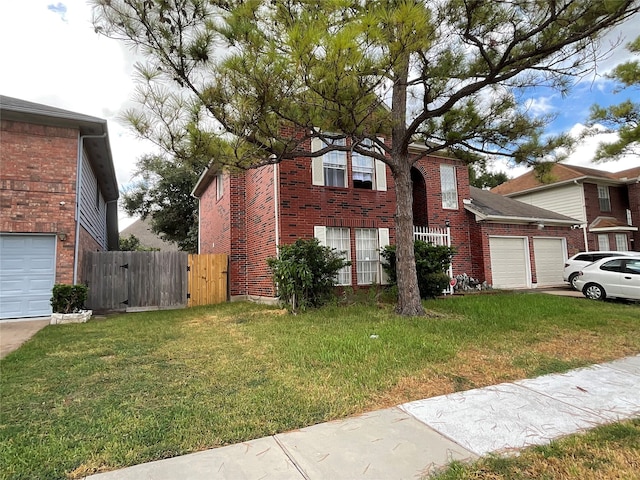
{"points": [[340, 239], [603, 241], [549, 254], [93, 208], [449, 187], [603, 198], [367, 256], [566, 200], [621, 242]]}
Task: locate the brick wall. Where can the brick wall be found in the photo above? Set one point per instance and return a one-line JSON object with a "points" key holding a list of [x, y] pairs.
{"points": [[619, 203], [39, 173]]}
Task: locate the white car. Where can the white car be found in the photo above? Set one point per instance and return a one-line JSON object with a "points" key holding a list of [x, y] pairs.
{"points": [[574, 264], [617, 277]]}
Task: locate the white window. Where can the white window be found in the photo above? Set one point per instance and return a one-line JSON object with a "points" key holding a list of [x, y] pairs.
{"points": [[219, 185], [340, 239], [449, 187], [363, 167], [334, 165], [603, 198], [603, 242], [621, 242], [367, 256]]}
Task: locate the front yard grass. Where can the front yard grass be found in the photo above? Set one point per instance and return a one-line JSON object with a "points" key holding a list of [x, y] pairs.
{"points": [[83, 398], [607, 452]]}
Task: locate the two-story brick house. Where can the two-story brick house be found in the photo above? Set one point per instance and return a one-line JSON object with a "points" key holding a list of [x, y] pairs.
{"points": [[606, 204], [348, 202], [345, 200], [58, 199]]}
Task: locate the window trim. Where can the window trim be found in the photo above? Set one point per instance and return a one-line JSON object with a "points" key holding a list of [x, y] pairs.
{"points": [[449, 193], [604, 198]]}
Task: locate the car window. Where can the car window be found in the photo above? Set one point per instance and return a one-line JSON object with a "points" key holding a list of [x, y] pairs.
{"points": [[585, 257], [612, 266], [633, 266]]}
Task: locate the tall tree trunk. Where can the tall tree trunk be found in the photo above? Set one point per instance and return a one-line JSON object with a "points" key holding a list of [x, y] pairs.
{"points": [[409, 302]]}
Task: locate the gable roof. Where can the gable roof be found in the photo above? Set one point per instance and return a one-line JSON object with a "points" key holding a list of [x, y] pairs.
{"points": [[489, 206], [141, 229], [96, 143], [561, 173]]}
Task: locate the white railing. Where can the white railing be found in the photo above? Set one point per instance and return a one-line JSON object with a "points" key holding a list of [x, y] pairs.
{"points": [[436, 236]]}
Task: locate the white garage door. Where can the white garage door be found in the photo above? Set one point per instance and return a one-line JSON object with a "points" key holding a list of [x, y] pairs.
{"points": [[509, 262], [549, 256], [27, 274]]}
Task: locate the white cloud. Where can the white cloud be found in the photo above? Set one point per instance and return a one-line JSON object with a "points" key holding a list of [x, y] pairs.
{"points": [[53, 56], [540, 105]]}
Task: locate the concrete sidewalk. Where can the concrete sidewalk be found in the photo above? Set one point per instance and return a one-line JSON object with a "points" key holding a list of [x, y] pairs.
{"points": [[414, 439]]}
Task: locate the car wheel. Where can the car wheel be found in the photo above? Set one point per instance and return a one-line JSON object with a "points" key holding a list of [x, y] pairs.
{"points": [[594, 291], [572, 279]]}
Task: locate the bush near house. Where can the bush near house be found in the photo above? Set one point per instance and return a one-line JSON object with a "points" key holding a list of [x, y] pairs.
{"points": [[68, 298], [432, 261], [306, 273]]}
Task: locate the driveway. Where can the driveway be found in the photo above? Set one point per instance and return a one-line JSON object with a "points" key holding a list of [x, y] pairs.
{"points": [[14, 333]]}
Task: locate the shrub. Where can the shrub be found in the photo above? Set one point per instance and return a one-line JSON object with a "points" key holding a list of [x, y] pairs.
{"points": [[305, 273], [68, 298], [432, 261]]}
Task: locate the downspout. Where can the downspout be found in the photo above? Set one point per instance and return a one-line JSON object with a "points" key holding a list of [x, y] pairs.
{"points": [[78, 192]]}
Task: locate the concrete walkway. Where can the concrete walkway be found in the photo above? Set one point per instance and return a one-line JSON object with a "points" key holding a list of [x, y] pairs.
{"points": [[414, 439], [13, 333]]}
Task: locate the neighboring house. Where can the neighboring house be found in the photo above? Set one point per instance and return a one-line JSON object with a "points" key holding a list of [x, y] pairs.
{"points": [[517, 245], [141, 229], [58, 198], [348, 202], [606, 204]]}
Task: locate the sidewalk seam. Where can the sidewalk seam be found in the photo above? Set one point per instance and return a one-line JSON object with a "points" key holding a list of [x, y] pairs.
{"points": [[290, 457]]}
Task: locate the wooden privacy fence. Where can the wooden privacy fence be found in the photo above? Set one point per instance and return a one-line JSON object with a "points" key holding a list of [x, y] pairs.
{"points": [[135, 281]]}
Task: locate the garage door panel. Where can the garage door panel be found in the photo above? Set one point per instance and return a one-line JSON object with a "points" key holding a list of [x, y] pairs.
{"points": [[27, 275], [509, 261], [549, 254]]}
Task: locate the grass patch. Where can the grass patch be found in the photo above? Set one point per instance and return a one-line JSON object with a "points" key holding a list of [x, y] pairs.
{"points": [[607, 452], [83, 398]]}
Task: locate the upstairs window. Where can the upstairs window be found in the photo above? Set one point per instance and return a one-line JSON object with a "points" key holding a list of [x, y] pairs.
{"points": [[603, 198], [449, 187], [219, 186], [363, 167], [334, 165]]}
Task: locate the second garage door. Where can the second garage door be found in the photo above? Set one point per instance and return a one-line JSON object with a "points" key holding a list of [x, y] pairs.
{"points": [[27, 274], [549, 257], [509, 262]]}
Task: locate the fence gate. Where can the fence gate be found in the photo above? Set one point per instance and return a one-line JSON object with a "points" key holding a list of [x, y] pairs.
{"points": [[208, 279], [135, 280]]}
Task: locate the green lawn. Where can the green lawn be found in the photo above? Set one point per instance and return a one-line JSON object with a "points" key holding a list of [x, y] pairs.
{"points": [[82, 398]]}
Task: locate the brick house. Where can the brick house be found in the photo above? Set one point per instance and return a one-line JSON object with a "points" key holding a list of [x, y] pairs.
{"points": [[348, 202], [606, 204], [58, 199]]}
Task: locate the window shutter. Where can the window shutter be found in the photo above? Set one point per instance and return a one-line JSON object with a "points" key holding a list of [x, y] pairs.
{"points": [[321, 234], [381, 176], [317, 172], [383, 241]]}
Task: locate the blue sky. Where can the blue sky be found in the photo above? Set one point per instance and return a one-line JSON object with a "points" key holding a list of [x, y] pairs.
{"points": [[55, 58]]}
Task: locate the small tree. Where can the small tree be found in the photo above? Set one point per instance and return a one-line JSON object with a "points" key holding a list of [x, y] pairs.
{"points": [[132, 244], [432, 261], [305, 273]]}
